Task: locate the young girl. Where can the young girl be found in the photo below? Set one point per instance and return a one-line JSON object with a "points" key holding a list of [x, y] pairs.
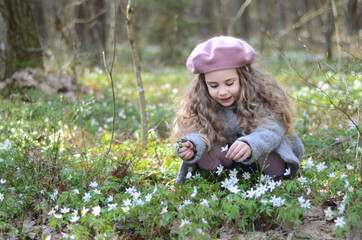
{"points": [[233, 114]]}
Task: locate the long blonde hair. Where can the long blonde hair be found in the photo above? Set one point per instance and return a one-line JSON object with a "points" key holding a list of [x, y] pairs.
{"points": [[259, 98]]}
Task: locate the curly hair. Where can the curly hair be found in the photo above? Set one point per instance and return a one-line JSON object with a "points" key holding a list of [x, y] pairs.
{"points": [[260, 99]]}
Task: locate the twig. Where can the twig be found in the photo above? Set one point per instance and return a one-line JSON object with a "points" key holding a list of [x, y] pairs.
{"points": [[109, 72], [78, 94], [337, 142]]}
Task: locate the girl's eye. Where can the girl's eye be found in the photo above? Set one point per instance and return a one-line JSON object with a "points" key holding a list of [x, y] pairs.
{"points": [[213, 86], [229, 83]]}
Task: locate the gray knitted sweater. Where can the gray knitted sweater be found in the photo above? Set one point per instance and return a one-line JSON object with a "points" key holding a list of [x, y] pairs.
{"points": [[262, 141]]}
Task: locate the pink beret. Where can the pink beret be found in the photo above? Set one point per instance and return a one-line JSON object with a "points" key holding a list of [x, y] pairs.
{"points": [[220, 53]]}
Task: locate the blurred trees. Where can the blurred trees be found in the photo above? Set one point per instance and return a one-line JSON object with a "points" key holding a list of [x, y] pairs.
{"points": [[21, 39], [167, 27]]}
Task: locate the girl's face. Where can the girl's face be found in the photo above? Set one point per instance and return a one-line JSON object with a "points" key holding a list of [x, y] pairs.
{"points": [[223, 86]]}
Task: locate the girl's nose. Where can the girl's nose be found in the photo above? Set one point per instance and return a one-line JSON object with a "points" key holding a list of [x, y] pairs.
{"points": [[222, 91]]}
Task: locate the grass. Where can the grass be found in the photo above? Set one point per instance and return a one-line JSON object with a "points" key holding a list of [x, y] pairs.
{"points": [[58, 182]]}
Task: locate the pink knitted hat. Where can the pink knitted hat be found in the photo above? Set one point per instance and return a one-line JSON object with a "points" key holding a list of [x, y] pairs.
{"points": [[220, 53]]}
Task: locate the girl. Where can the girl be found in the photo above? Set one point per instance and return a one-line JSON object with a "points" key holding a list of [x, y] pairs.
{"points": [[231, 102]]}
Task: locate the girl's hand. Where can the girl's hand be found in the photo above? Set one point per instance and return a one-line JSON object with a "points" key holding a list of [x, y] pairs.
{"points": [[186, 151], [238, 151]]}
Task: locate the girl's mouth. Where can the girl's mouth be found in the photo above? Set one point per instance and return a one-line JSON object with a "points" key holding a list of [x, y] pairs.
{"points": [[225, 100]]}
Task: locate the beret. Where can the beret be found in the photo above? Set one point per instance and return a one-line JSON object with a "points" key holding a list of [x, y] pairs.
{"points": [[219, 53]]}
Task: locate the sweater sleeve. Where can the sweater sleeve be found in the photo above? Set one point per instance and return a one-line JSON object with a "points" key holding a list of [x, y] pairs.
{"points": [[199, 144], [263, 140]]}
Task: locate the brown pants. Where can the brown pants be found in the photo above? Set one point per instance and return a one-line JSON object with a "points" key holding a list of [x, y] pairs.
{"points": [[272, 165]]}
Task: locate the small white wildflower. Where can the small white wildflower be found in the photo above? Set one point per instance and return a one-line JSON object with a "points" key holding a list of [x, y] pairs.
{"points": [[187, 202], [204, 203], [342, 176], [233, 173], [204, 221], [96, 210], [184, 222], [96, 191], [2, 181], [306, 204], [224, 149], [58, 215], [220, 168], [341, 208], [188, 175], [321, 166], [339, 222], [125, 209], [87, 197], [328, 212], [148, 197], [131, 190], [65, 210], [302, 179], [84, 211], [350, 188], [73, 219], [308, 191], [234, 189], [332, 175], [164, 210], [350, 167], [246, 175], [110, 198], [287, 172], [93, 184], [127, 202], [308, 164], [194, 193], [112, 206], [76, 191]]}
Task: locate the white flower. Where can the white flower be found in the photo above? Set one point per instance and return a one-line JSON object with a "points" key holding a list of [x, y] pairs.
{"points": [[164, 210], [1, 196], [188, 175], [302, 179], [112, 206], [346, 185], [220, 168], [136, 195], [204, 221], [264, 201], [234, 189], [287, 172], [76, 191], [96, 191], [342, 176], [308, 164], [96, 210], [87, 197], [246, 175], [6, 145], [308, 191], [321, 166], [277, 201], [328, 212], [213, 197], [64, 210], [127, 202], [341, 208], [74, 219], [339, 222], [131, 190], [58, 215], [93, 184], [148, 197], [271, 185], [306, 204], [51, 212], [204, 203], [139, 202], [125, 209], [110, 198], [250, 193], [350, 188], [84, 211], [332, 175], [187, 202], [184, 222], [2, 181], [301, 200], [233, 173], [224, 149], [194, 193], [350, 167]]}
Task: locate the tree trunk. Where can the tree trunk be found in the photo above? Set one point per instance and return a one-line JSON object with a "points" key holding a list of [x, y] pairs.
{"points": [[329, 32], [22, 47]]}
